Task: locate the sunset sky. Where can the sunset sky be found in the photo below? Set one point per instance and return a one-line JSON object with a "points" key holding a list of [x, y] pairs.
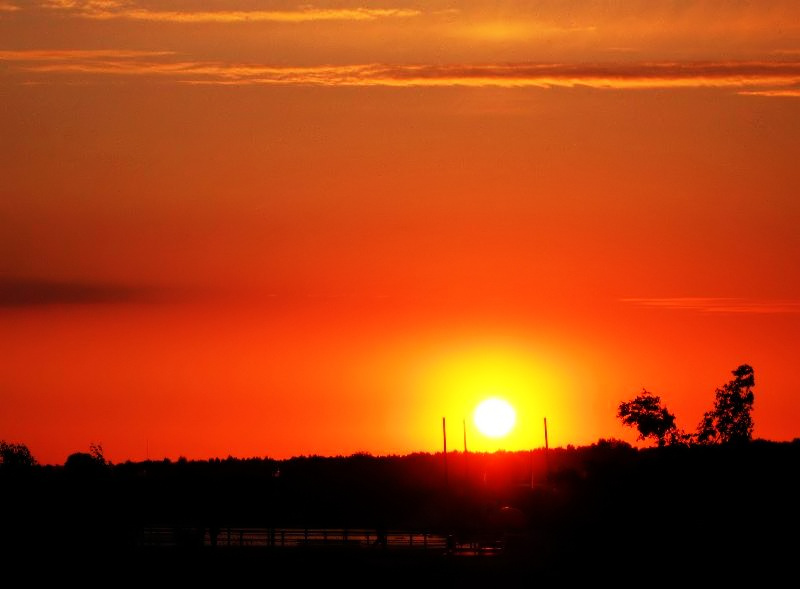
{"points": [[269, 228]]}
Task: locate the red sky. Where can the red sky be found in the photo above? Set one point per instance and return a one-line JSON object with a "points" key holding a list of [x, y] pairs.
{"points": [[260, 228]]}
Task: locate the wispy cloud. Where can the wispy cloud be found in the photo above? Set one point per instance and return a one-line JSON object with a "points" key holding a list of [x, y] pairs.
{"points": [[744, 76], [114, 9], [8, 7], [27, 293], [718, 305], [516, 75], [792, 93], [66, 55], [514, 30]]}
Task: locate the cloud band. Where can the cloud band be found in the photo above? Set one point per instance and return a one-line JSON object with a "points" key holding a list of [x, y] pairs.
{"points": [[717, 305], [763, 78]]}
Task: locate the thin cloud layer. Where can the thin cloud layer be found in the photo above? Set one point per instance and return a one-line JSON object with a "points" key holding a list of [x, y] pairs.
{"points": [[112, 10], [68, 55], [793, 93], [767, 78], [717, 305]]}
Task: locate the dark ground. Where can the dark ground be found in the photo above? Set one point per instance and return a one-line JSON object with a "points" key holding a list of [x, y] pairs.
{"points": [[605, 513]]}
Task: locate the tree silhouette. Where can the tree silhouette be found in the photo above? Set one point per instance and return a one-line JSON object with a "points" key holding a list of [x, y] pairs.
{"points": [[96, 452], [15, 455], [730, 420], [646, 414], [88, 462]]}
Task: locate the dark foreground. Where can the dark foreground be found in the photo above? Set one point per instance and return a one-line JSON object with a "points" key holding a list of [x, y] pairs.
{"points": [[240, 567], [605, 513]]}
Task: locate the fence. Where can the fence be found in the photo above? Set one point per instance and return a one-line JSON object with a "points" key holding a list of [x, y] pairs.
{"points": [[307, 537]]}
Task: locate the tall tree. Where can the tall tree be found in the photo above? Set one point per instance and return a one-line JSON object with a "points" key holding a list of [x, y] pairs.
{"points": [[646, 414], [731, 419]]}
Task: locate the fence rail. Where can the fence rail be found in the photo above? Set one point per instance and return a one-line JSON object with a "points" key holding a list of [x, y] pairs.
{"points": [[308, 537]]}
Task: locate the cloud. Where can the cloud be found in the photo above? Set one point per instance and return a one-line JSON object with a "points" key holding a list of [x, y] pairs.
{"points": [[746, 76], [717, 305], [513, 30], [28, 292], [76, 54], [8, 7], [792, 93], [113, 10]]}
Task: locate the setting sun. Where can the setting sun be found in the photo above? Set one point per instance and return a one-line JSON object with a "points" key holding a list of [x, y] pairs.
{"points": [[494, 418]]}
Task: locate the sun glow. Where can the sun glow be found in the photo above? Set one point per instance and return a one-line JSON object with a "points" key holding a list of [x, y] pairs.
{"points": [[494, 417], [453, 379]]}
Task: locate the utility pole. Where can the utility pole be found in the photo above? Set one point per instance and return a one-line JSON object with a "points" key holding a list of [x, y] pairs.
{"points": [[530, 466], [546, 451], [466, 455], [444, 439]]}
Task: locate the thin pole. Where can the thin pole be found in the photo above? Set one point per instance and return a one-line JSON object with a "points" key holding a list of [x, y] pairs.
{"points": [[466, 463], [530, 467], [546, 444], [546, 449], [444, 440]]}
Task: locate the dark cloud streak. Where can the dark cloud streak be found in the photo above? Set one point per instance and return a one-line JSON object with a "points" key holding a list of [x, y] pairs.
{"points": [[22, 292]]}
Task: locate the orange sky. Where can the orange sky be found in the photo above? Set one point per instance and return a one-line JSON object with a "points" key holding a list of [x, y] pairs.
{"points": [[268, 228]]}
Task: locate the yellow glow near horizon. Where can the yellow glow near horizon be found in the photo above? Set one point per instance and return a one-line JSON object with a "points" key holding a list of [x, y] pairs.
{"points": [[456, 383]]}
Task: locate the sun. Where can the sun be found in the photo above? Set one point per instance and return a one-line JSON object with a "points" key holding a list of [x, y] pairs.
{"points": [[494, 417]]}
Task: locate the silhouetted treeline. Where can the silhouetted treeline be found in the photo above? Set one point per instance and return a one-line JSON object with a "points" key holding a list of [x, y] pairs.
{"points": [[604, 505]]}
